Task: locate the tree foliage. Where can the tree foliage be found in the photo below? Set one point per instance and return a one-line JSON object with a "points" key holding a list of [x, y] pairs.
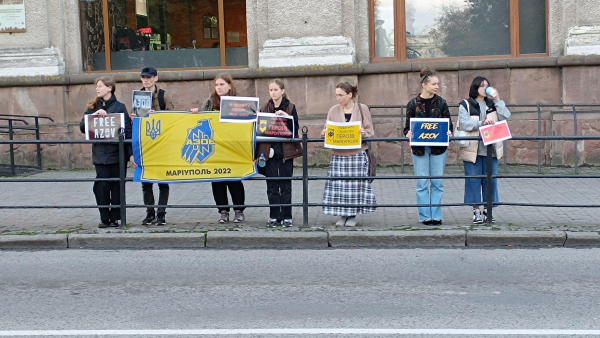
{"points": [[480, 27]]}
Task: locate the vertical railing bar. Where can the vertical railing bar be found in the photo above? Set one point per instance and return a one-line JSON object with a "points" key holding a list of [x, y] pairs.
{"points": [[305, 177], [576, 141], [539, 141]]}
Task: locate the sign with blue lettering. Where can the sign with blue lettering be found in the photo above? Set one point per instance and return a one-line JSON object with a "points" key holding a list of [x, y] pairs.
{"points": [[429, 132]]}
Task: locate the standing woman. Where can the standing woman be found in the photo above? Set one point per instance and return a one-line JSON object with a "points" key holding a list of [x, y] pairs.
{"points": [[280, 157], [224, 87], [105, 156], [428, 161], [480, 109], [349, 163]]}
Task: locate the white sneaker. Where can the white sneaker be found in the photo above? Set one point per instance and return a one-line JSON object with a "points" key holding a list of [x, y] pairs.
{"points": [[350, 221], [477, 219], [341, 221]]}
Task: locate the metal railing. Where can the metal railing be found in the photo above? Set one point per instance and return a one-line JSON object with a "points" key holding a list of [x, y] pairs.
{"points": [[10, 129], [305, 178]]}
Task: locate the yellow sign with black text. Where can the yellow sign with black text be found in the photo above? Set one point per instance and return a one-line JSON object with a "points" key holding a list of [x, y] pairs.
{"points": [[179, 147], [343, 135]]}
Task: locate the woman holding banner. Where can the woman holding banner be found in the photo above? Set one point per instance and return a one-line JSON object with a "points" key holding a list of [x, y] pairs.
{"points": [[428, 160], [280, 157], [223, 86], [482, 108], [349, 163], [105, 156]]}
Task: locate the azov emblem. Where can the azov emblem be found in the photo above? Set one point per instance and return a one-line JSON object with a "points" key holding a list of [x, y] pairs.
{"points": [[199, 143], [330, 133], [262, 125]]}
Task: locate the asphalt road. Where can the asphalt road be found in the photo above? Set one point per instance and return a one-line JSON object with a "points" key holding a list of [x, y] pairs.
{"points": [[338, 293]]}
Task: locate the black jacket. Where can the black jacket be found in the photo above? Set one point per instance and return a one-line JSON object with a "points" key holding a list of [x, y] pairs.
{"points": [[107, 153], [416, 108]]}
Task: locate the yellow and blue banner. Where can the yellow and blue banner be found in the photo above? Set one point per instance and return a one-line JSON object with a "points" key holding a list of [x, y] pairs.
{"points": [[180, 147]]}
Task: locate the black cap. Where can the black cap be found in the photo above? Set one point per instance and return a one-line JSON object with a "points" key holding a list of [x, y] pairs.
{"points": [[149, 72]]}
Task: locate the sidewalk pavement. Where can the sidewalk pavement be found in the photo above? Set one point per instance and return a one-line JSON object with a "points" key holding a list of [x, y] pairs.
{"points": [[519, 222]]}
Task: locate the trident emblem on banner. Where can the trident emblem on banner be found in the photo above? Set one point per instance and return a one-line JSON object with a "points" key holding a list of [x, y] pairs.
{"points": [[153, 130]]}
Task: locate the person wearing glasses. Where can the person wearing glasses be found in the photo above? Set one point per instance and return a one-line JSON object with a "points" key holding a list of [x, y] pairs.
{"points": [[349, 163], [480, 109]]}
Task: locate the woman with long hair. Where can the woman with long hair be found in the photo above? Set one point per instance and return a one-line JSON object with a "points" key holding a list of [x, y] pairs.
{"points": [[280, 157], [223, 86], [480, 109], [105, 156]]}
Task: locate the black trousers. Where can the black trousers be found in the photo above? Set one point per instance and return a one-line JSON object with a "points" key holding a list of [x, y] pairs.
{"points": [[107, 193], [236, 189], [163, 197], [279, 192]]}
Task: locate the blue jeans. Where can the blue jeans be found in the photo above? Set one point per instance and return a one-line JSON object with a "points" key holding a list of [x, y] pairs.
{"points": [[429, 165], [476, 188]]}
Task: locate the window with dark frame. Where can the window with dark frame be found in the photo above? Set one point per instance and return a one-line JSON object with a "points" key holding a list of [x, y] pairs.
{"points": [[122, 35], [414, 30]]}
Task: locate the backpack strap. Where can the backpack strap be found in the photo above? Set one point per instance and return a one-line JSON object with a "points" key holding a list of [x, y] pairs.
{"points": [[161, 100]]}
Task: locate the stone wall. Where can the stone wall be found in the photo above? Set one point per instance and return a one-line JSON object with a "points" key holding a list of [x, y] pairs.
{"points": [[64, 100]]}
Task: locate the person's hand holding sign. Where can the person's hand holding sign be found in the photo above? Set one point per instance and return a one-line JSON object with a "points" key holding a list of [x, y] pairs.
{"points": [[101, 113], [281, 113], [450, 133], [194, 110], [488, 122], [362, 132], [323, 132], [409, 134], [133, 164]]}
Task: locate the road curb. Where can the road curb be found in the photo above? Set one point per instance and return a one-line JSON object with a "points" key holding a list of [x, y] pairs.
{"points": [[266, 240], [390, 239], [486, 238], [582, 239], [138, 241], [301, 240], [33, 242]]}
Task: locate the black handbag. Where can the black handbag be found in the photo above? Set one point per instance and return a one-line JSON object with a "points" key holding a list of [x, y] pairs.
{"points": [[372, 159]]}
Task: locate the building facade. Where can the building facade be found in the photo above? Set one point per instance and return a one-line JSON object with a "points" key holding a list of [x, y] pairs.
{"points": [[533, 51]]}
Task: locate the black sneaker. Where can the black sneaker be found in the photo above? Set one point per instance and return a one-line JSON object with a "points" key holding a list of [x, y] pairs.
{"points": [[103, 225], [272, 223], [160, 220], [485, 217], [427, 222], [287, 223], [113, 224], [149, 219], [437, 222]]}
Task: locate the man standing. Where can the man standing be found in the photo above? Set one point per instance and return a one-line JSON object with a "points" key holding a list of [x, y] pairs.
{"points": [[160, 101]]}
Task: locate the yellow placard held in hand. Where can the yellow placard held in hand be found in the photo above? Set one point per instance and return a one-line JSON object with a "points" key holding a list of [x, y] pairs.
{"points": [[343, 135]]}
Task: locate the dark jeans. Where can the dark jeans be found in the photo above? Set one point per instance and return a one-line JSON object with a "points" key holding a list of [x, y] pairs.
{"points": [[279, 192], [107, 193], [476, 188], [236, 189], [163, 197]]}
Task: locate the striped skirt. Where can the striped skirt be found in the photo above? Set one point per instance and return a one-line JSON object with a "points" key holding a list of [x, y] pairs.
{"points": [[355, 192]]}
